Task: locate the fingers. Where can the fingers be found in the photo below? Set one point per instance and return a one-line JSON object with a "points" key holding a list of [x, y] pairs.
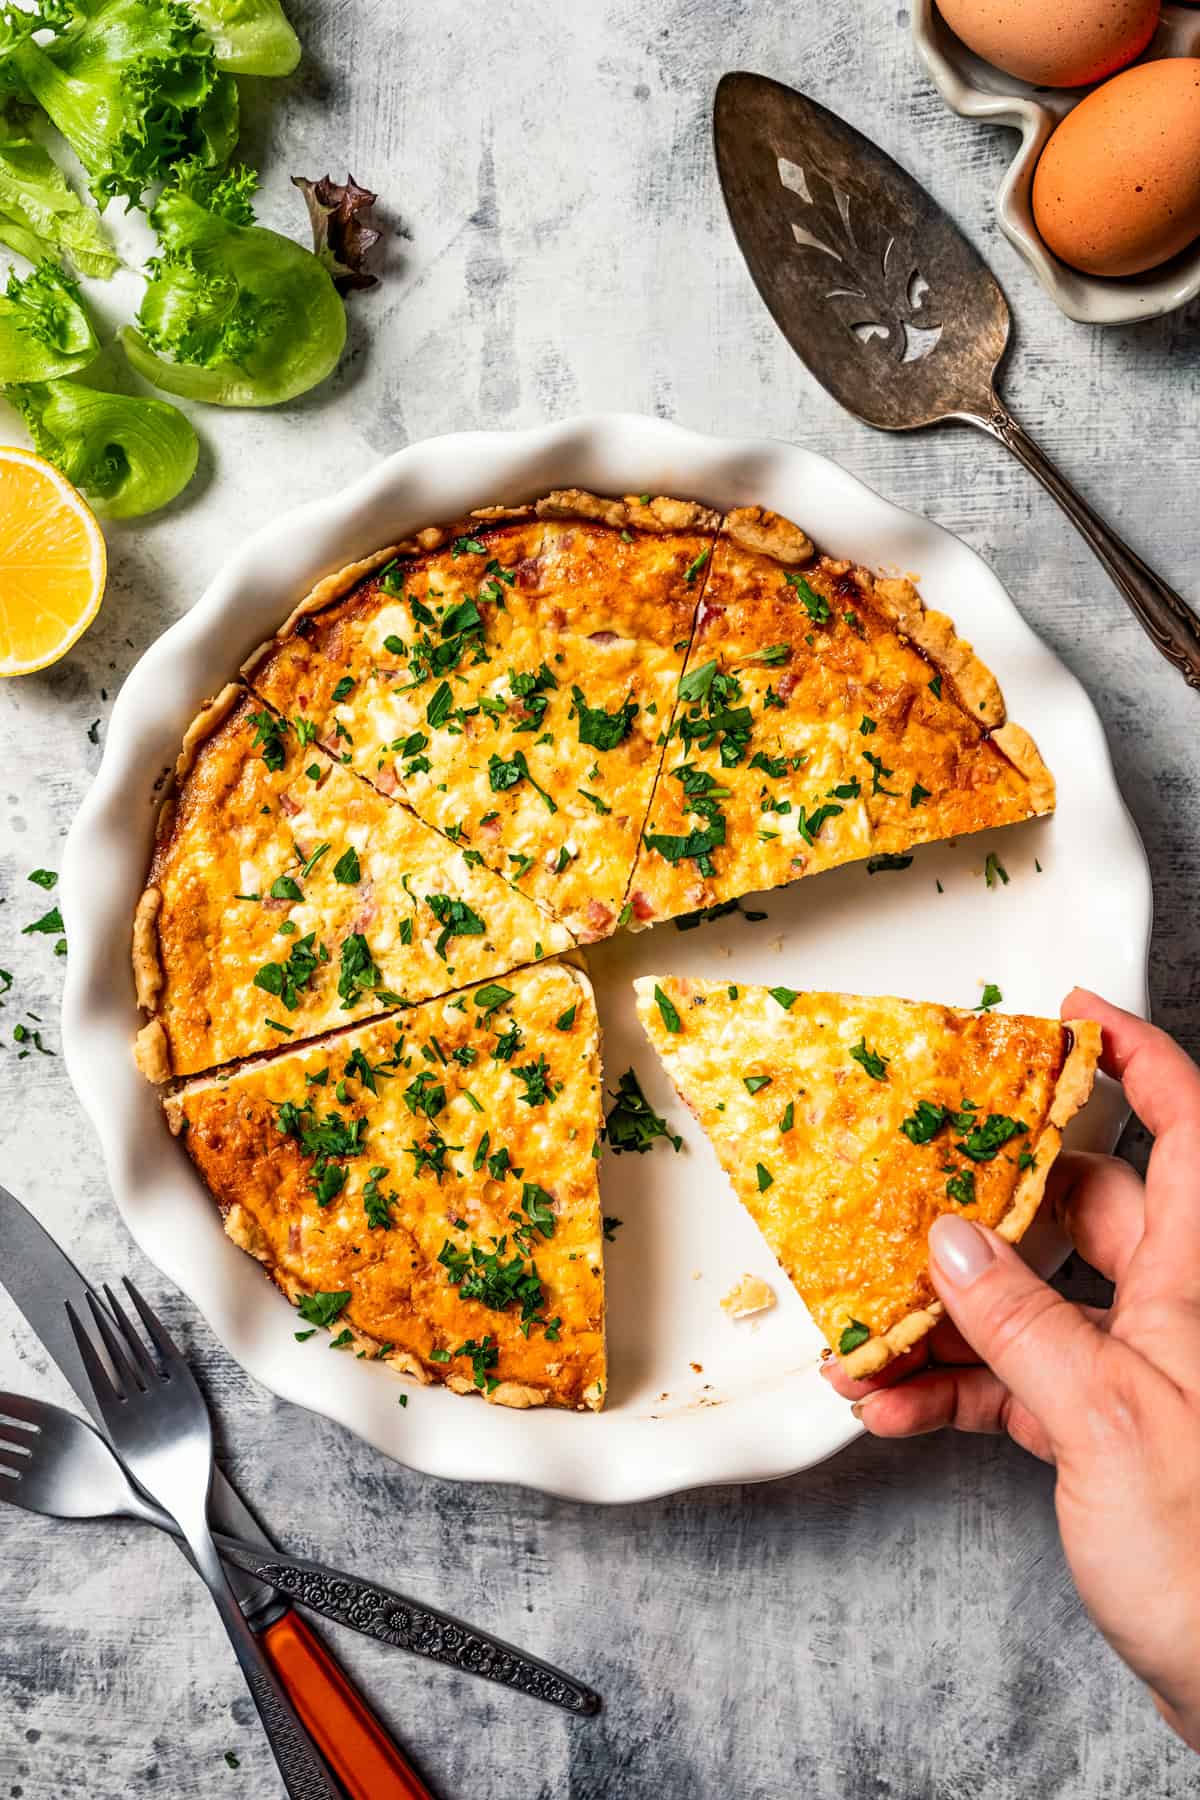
{"points": [[1161, 1082], [967, 1399], [1043, 1349], [1100, 1203]]}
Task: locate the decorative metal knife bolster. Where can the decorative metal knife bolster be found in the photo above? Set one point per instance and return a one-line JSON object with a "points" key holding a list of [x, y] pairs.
{"points": [[391, 1618]]}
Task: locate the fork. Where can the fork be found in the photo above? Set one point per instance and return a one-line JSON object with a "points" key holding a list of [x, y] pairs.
{"points": [[160, 1428], [54, 1464]]}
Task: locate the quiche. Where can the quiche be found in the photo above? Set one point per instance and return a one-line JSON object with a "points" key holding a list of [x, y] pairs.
{"points": [[848, 1124], [424, 1186], [824, 716], [510, 677], [286, 896]]}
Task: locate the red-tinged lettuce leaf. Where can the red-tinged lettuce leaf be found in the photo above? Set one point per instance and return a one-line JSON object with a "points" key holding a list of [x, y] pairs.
{"points": [[343, 235]]}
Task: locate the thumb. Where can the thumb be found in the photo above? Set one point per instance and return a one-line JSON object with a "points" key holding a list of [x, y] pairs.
{"points": [[1043, 1349]]}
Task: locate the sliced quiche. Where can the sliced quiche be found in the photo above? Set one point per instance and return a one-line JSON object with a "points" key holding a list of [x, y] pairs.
{"points": [[847, 1125], [511, 678], [285, 896], [425, 1186], [823, 716]]}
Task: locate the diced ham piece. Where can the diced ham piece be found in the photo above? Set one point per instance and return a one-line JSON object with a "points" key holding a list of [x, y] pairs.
{"points": [[599, 919], [489, 828], [642, 909], [293, 1238], [386, 779], [786, 685], [528, 571], [711, 615], [290, 807], [603, 638]]}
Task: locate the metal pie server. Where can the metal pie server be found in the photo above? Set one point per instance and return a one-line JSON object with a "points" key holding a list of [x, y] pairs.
{"points": [[887, 304]]}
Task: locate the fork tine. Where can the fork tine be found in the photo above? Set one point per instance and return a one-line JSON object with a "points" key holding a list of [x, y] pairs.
{"points": [[106, 1394], [125, 1371], [163, 1340], [8, 1470], [22, 1409], [20, 1439], [143, 1361]]}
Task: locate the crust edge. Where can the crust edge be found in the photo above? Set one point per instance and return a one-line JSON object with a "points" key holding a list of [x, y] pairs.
{"points": [[1071, 1092]]}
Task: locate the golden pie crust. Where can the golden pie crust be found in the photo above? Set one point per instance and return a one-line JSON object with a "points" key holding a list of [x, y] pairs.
{"points": [[813, 1142]]}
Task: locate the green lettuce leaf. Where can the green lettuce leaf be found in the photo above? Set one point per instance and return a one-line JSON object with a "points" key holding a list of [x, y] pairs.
{"points": [[134, 87], [128, 455], [234, 315], [40, 214], [251, 37], [44, 327]]}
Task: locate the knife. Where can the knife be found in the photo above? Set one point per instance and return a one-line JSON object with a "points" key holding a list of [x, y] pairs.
{"points": [[40, 1277]]}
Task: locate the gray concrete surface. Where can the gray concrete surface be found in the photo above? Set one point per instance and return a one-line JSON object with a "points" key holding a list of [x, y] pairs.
{"points": [[897, 1625]]}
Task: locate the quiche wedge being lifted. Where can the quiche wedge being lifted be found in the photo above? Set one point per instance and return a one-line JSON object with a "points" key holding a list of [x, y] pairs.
{"points": [[286, 896], [425, 1186], [824, 716], [847, 1125]]}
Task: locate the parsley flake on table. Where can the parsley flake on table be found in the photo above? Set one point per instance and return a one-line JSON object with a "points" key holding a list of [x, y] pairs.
{"points": [[632, 1123], [870, 1060], [994, 871], [43, 878], [611, 1227], [890, 860], [991, 997], [49, 925]]}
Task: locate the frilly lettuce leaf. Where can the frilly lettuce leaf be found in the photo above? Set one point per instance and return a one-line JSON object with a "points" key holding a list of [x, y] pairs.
{"points": [[251, 37], [133, 86], [128, 455], [235, 315], [40, 214], [44, 327]]}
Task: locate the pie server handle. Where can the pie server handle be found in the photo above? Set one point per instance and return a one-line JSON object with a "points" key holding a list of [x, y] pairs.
{"points": [[1163, 615], [390, 1618]]}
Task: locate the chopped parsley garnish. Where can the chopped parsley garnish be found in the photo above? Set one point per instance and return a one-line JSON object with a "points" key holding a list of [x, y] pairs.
{"points": [[320, 851], [772, 656], [467, 546], [754, 1084], [611, 1227], [488, 999], [505, 773], [815, 605], [535, 1078], [1026, 1161], [565, 1020], [346, 869], [935, 687], [425, 1094], [306, 731], [533, 691], [358, 974], [632, 1123], [764, 1177], [344, 689], [268, 731], [376, 1204], [602, 730], [441, 704], [918, 794], [879, 774], [788, 1118], [774, 766], [922, 1126], [322, 1308], [961, 1187], [600, 805], [667, 1010], [784, 996], [432, 1154], [988, 1137], [870, 1060], [994, 870], [867, 725], [508, 1042], [991, 997], [694, 568], [455, 918], [854, 1334], [711, 719], [285, 981], [284, 888], [846, 790], [809, 825], [891, 859]]}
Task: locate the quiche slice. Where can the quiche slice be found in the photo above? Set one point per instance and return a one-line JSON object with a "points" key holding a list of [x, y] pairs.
{"points": [[511, 678], [848, 1124], [824, 716], [286, 896], [425, 1186]]}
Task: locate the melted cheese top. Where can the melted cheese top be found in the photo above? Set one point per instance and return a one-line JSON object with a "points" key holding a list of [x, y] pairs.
{"points": [[813, 1142], [472, 1127]]}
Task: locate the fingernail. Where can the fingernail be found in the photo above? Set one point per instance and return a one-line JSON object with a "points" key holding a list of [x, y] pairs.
{"points": [[961, 1251], [860, 1406], [827, 1368]]}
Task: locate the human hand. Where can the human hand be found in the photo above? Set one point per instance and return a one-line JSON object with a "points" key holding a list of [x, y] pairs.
{"points": [[1111, 1398]]}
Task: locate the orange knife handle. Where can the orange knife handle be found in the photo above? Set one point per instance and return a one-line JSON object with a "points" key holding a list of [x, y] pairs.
{"points": [[342, 1725]]}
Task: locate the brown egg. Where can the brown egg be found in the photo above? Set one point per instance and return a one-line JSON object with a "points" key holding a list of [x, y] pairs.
{"points": [[1117, 189], [1054, 43]]}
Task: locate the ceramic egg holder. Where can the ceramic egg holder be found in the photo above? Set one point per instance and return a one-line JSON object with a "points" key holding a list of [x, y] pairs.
{"points": [[977, 90]]}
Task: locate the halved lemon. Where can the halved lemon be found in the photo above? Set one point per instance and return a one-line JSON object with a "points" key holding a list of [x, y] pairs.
{"points": [[52, 563]]}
